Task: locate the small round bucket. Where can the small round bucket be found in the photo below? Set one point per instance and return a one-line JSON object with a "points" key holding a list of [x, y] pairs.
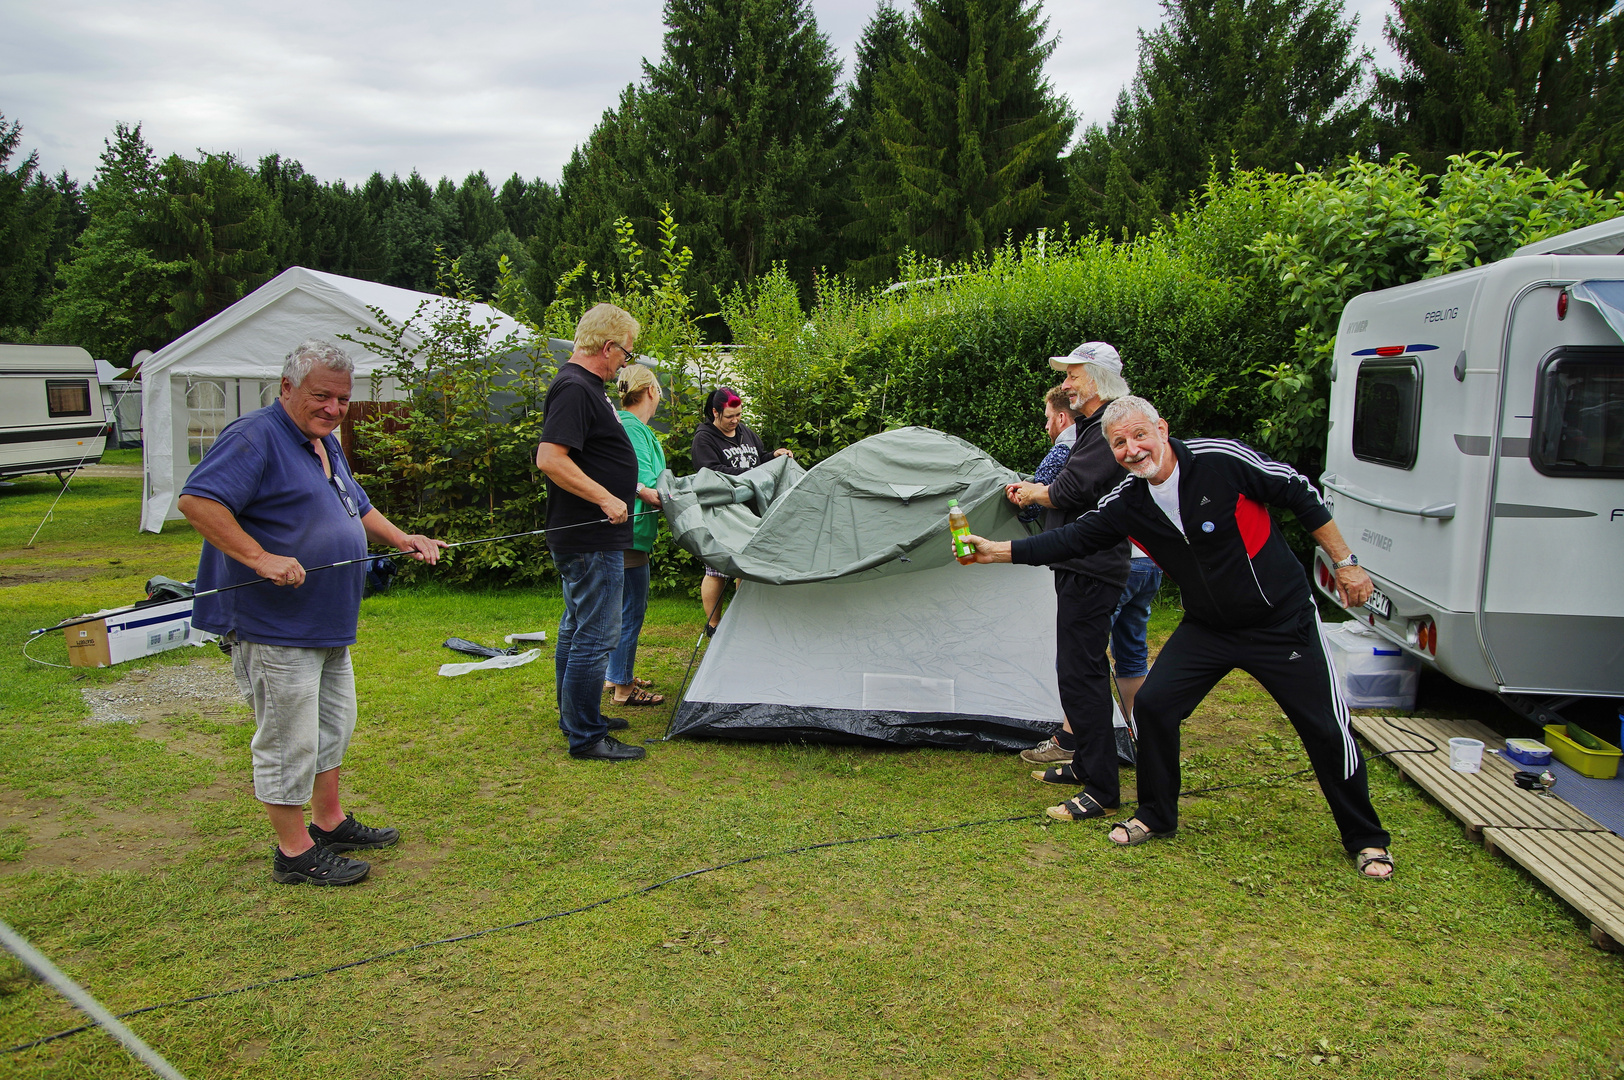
{"points": [[1466, 755]]}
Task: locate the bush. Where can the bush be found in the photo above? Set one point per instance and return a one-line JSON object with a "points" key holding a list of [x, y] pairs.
{"points": [[1367, 226], [455, 458]]}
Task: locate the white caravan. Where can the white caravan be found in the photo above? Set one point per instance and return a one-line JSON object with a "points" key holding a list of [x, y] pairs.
{"points": [[51, 413], [1476, 467]]}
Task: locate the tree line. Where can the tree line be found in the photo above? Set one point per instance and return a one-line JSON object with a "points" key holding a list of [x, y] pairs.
{"points": [[946, 142]]}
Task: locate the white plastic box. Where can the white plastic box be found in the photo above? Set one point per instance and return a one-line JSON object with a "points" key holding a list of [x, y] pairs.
{"points": [[1371, 671]]}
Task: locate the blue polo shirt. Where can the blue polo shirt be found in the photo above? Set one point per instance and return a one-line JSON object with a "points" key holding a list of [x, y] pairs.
{"points": [[264, 470]]}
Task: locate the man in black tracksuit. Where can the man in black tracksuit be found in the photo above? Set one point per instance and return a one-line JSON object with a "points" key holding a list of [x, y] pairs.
{"points": [[1200, 509]]}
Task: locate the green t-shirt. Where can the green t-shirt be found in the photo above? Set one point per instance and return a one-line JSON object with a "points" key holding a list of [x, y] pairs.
{"points": [[650, 464]]}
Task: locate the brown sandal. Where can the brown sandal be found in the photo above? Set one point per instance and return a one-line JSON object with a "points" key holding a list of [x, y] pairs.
{"points": [[639, 697], [1080, 807], [641, 684], [1366, 859], [1137, 833]]}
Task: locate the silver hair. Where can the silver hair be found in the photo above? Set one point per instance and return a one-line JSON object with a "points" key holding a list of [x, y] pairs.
{"points": [[1108, 385], [1125, 406], [312, 351]]}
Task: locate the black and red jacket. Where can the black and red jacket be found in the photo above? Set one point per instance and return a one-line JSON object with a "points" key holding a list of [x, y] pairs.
{"points": [[1233, 567]]}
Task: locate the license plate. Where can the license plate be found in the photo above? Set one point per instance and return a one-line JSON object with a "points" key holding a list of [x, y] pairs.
{"points": [[1379, 604]]}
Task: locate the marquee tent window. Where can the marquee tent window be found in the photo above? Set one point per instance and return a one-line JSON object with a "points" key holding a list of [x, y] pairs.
{"points": [[205, 416]]}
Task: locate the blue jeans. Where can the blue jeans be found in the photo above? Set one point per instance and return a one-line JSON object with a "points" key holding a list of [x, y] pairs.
{"points": [[1132, 618], [593, 581], [632, 609]]}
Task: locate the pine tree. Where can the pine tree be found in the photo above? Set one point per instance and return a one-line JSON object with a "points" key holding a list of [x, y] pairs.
{"points": [[972, 128], [1249, 83], [742, 127], [865, 164], [39, 218], [1542, 77], [215, 219], [606, 178]]}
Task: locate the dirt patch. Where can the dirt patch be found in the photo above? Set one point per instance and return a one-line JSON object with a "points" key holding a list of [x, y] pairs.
{"points": [[92, 840], [36, 577], [204, 687], [96, 839]]}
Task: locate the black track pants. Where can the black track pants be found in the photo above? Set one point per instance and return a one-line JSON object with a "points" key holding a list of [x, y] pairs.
{"points": [[1290, 660], [1083, 609]]}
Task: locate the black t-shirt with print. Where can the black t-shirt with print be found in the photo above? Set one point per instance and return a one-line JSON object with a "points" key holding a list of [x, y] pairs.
{"points": [[579, 416], [727, 454]]}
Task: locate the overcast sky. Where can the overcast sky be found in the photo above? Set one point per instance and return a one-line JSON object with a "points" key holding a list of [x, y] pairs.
{"points": [[349, 87]]}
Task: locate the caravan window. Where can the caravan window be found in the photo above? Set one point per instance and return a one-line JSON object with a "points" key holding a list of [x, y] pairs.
{"points": [[67, 397], [1387, 412], [1579, 414]]}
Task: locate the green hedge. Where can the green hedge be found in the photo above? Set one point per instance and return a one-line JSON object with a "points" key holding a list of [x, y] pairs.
{"points": [[967, 352]]}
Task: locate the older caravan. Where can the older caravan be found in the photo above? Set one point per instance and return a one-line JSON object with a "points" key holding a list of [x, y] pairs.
{"points": [[1476, 466], [51, 413]]}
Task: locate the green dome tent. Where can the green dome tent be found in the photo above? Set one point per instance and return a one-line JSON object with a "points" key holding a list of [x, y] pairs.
{"points": [[854, 623]]}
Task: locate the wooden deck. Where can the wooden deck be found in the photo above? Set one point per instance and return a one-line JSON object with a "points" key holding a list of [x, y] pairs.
{"points": [[1573, 855]]}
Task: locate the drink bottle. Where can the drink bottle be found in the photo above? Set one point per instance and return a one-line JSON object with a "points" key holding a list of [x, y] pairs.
{"points": [[959, 526]]}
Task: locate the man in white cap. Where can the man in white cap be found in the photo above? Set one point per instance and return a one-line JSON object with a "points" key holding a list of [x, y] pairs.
{"points": [[1086, 589]]}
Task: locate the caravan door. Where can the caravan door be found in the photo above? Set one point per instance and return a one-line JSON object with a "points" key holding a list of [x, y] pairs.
{"points": [[1552, 607]]}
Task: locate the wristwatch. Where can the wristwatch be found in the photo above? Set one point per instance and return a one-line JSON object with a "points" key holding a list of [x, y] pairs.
{"points": [[1351, 560]]}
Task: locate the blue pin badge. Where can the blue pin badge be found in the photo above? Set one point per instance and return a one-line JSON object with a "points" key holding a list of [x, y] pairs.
{"points": [[1207, 526]]}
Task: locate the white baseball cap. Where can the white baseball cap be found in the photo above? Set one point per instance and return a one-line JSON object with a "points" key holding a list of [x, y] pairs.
{"points": [[1090, 352]]}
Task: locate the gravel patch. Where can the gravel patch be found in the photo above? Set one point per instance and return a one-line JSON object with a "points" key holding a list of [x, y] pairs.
{"points": [[204, 687]]}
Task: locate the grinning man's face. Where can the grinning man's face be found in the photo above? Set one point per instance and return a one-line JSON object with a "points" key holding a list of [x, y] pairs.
{"points": [[317, 405], [1141, 446]]}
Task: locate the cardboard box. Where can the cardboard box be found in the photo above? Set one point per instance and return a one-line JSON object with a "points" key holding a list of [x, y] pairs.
{"points": [[133, 634]]}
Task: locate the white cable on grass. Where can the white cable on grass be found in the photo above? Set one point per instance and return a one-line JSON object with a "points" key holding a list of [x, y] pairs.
{"points": [[37, 660]]}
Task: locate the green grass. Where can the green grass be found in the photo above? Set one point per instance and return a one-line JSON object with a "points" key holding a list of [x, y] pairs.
{"points": [[134, 855]]}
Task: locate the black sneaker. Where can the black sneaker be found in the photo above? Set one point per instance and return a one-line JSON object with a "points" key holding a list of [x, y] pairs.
{"points": [[351, 835], [318, 866], [608, 748]]}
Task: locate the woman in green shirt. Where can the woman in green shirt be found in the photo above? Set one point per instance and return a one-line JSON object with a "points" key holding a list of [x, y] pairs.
{"points": [[639, 398]]}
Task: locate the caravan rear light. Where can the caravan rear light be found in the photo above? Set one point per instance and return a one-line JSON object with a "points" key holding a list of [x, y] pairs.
{"points": [[1390, 350], [1423, 634], [1562, 305]]}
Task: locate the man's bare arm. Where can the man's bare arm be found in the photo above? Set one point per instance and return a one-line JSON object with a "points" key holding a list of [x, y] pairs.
{"points": [[381, 530], [1353, 584], [218, 525], [554, 460]]}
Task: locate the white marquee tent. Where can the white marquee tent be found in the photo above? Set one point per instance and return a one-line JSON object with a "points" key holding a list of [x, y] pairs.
{"points": [[232, 364]]}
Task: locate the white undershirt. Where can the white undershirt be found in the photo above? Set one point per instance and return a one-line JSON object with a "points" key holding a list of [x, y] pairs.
{"points": [[1166, 495]]}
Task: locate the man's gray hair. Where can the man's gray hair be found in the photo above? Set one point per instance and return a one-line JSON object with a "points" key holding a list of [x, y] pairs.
{"points": [[1125, 406], [1108, 384], [312, 351]]}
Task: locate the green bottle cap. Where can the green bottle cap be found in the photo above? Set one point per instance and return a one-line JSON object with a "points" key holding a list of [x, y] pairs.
{"points": [[952, 502]]}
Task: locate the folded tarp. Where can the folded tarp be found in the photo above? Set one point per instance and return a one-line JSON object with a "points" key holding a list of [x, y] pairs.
{"points": [[862, 509]]}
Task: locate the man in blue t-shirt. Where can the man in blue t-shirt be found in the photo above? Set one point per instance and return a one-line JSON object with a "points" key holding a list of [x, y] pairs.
{"points": [[272, 495], [591, 472]]}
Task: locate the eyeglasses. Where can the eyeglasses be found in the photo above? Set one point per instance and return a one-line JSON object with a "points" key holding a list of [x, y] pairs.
{"points": [[344, 493], [623, 350]]}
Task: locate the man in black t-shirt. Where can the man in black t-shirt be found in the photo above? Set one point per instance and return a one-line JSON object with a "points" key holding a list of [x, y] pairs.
{"points": [[591, 472]]}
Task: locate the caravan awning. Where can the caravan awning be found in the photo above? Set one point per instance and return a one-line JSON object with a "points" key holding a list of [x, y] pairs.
{"points": [[1606, 297], [879, 505]]}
